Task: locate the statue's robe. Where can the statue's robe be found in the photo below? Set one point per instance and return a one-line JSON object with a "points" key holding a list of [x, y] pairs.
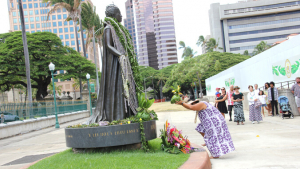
{"points": [[111, 102]]}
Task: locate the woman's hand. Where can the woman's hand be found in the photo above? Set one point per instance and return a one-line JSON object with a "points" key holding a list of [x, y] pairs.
{"points": [[179, 102]]}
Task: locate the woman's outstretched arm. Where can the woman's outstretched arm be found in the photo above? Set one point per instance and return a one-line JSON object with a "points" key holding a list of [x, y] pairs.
{"points": [[196, 107]]}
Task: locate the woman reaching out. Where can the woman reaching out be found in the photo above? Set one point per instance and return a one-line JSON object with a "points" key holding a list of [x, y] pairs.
{"points": [[213, 128]]}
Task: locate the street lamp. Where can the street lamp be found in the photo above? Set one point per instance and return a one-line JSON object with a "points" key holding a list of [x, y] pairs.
{"points": [[52, 67], [88, 76]]}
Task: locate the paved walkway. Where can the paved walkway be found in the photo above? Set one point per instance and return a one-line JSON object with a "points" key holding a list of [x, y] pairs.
{"points": [[274, 143]]}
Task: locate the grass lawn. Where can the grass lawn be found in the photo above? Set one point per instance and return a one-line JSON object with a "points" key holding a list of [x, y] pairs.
{"points": [[127, 159], [166, 106]]}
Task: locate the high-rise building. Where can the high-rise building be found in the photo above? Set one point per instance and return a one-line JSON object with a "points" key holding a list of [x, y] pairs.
{"points": [[35, 18], [129, 22], [243, 25], [155, 33]]}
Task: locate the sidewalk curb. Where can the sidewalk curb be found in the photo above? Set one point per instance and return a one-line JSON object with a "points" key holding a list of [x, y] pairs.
{"points": [[197, 160]]}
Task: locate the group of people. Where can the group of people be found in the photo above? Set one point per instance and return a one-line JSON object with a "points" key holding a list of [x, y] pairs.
{"points": [[258, 101]]}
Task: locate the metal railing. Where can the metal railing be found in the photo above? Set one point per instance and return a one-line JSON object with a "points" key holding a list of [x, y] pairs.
{"points": [[282, 85], [21, 111]]}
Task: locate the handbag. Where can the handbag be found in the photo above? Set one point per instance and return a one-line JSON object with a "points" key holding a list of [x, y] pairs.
{"points": [[257, 104]]}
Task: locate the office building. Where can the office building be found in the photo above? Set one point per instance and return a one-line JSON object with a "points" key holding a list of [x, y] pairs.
{"points": [[243, 25], [155, 33], [35, 18], [129, 22]]}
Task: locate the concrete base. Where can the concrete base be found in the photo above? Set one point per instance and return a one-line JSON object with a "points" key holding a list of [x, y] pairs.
{"points": [[21, 127], [197, 160]]}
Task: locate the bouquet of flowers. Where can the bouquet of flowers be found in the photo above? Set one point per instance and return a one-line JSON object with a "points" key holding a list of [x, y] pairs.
{"points": [[176, 96], [173, 142]]}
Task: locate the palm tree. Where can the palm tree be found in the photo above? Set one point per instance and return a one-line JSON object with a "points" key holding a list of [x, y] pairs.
{"points": [[212, 45], [99, 28], [72, 6], [187, 51], [57, 88], [201, 41], [88, 18], [262, 46]]}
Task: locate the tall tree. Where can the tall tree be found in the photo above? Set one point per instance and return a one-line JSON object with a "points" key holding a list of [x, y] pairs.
{"points": [[262, 46], [246, 53], [201, 41], [187, 51], [44, 47], [213, 45]]}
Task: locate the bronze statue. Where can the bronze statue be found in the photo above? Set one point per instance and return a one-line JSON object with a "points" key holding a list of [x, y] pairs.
{"points": [[116, 101]]}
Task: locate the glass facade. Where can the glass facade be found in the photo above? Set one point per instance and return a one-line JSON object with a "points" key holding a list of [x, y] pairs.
{"points": [[155, 33], [129, 22]]}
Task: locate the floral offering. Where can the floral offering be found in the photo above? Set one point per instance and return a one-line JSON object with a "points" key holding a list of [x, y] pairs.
{"points": [[177, 94], [173, 142]]}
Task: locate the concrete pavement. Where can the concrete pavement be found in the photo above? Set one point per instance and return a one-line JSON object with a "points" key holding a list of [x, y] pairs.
{"points": [[274, 143]]}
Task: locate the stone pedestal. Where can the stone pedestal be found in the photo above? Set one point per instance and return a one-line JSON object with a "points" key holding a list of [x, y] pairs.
{"points": [[290, 96]]}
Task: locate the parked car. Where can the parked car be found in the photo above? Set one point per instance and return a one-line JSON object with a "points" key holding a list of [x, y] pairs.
{"points": [[9, 117]]}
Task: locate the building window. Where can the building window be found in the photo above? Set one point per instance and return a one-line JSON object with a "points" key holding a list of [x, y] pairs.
{"points": [[32, 26], [53, 17], [15, 21], [65, 23], [32, 31], [12, 5], [15, 27], [25, 13], [37, 18], [61, 37], [58, 10], [60, 30], [14, 13], [84, 35], [30, 5], [55, 80], [54, 30], [31, 19], [71, 22], [72, 36], [71, 29], [65, 16], [67, 36], [58, 16], [79, 49], [36, 5], [61, 72], [59, 23], [30, 12], [26, 19], [72, 42], [27, 26], [24, 6], [67, 43], [66, 30], [64, 10], [38, 25], [36, 12]]}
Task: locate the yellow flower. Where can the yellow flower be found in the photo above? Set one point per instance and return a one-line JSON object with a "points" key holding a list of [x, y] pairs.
{"points": [[128, 122], [140, 119], [120, 123], [173, 91]]}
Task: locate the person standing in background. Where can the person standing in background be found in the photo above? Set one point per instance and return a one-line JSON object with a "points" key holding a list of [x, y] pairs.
{"points": [[296, 92], [256, 90], [217, 94], [221, 102], [273, 97], [230, 102], [237, 98], [262, 98], [268, 107], [254, 112]]}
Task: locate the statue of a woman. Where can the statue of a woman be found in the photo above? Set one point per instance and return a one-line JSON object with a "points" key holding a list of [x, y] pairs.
{"points": [[114, 102]]}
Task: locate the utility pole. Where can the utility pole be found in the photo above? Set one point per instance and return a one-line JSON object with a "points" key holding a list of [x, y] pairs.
{"points": [[26, 53]]}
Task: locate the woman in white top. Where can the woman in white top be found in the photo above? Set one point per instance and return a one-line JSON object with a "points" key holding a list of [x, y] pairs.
{"points": [[262, 98], [254, 112]]}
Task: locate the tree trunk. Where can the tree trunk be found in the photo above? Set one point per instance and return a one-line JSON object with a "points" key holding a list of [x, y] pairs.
{"points": [[161, 93], [77, 45], [3, 97], [153, 89], [199, 80], [42, 92]]}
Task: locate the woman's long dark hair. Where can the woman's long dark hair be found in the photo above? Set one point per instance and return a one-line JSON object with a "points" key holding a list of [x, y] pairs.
{"points": [[262, 92], [224, 90], [267, 84]]}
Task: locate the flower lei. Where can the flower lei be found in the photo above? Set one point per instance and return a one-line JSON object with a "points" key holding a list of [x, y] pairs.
{"points": [[126, 43]]}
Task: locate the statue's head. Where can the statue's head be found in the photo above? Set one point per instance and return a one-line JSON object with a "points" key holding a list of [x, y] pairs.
{"points": [[114, 12]]}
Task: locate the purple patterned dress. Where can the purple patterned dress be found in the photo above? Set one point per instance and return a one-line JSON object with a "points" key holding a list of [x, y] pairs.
{"points": [[217, 136]]}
